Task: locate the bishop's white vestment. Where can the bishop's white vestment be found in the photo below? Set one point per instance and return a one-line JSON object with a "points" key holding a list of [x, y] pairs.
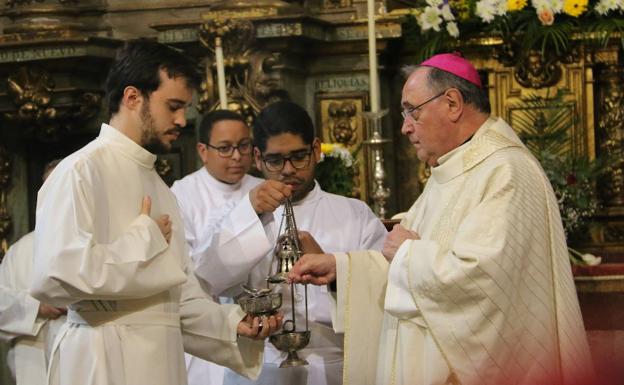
{"points": [[134, 304], [485, 297], [31, 337], [205, 203], [338, 224]]}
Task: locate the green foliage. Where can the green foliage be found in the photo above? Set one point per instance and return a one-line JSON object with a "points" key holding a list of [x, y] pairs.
{"points": [[334, 176]]}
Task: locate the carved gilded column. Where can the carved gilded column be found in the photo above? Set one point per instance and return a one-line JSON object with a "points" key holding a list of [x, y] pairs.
{"points": [[610, 139], [5, 185]]}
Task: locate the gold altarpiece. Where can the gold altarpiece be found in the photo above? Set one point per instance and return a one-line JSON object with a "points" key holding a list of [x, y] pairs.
{"points": [[313, 52]]}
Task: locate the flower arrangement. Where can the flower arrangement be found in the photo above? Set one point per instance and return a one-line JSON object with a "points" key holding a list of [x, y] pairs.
{"points": [[544, 123], [336, 169], [536, 24]]}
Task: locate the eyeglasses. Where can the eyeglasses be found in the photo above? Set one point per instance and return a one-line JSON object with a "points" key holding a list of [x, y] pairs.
{"points": [[298, 160], [409, 112], [226, 151]]}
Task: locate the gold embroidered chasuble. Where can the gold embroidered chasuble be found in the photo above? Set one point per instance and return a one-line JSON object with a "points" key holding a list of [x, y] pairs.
{"points": [[486, 295]]}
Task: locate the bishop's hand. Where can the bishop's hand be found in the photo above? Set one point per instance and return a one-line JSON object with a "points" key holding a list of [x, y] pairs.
{"points": [[395, 238], [317, 269], [257, 328], [269, 195]]}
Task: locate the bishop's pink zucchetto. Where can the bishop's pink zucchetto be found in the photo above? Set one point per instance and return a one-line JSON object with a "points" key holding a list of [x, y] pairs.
{"points": [[455, 64]]}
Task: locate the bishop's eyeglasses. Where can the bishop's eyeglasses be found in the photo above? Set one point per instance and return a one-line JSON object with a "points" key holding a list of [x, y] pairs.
{"points": [[298, 160], [244, 148], [409, 112]]}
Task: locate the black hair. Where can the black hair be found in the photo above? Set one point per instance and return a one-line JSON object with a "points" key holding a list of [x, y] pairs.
{"points": [[211, 118], [138, 63], [440, 80], [280, 118]]}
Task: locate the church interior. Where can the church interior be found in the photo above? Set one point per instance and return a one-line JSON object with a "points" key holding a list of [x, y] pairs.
{"points": [[567, 104]]}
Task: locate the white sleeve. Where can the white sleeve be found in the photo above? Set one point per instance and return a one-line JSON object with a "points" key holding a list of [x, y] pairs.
{"points": [[209, 331], [373, 230], [70, 265], [239, 244], [18, 310]]}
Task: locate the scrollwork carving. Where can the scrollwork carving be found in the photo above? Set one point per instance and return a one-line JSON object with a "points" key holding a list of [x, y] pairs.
{"points": [[538, 71], [533, 68], [31, 90], [252, 79]]}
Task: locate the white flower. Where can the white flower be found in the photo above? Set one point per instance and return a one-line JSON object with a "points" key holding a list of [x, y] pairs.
{"points": [[430, 19], [541, 4], [485, 10], [602, 8], [435, 3], [500, 7], [446, 13], [591, 260], [451, 28], [556, 6]]}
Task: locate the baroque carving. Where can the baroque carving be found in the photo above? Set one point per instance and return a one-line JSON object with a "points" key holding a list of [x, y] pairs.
{"points": [[342, 122], [611, 135], [534, 68], [537, 71], [31, 91], [5, 218], [252, 79]]}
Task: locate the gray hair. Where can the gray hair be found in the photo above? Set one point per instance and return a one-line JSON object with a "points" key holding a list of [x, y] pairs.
{"points": [[439, 81]]}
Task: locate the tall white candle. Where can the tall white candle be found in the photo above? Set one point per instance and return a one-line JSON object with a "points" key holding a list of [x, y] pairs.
{"points": [[372, 58], [221, 74]]}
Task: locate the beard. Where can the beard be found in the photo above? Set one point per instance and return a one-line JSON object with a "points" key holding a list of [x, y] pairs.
{"points": [[149, 137]]}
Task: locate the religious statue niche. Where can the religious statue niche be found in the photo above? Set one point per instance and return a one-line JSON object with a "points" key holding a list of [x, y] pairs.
{"points": [[31, 91], [265, 301], [5, 184], [251, 77], [339, 116]]}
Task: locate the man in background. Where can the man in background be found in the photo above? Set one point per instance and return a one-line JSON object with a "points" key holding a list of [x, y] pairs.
{"points": [[214, 195], [29, 325], [287, 151]]}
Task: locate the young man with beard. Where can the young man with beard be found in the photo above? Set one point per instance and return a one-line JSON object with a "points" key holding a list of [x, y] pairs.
{"points": [[109, 244], [287, 152], [215, 200]]}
